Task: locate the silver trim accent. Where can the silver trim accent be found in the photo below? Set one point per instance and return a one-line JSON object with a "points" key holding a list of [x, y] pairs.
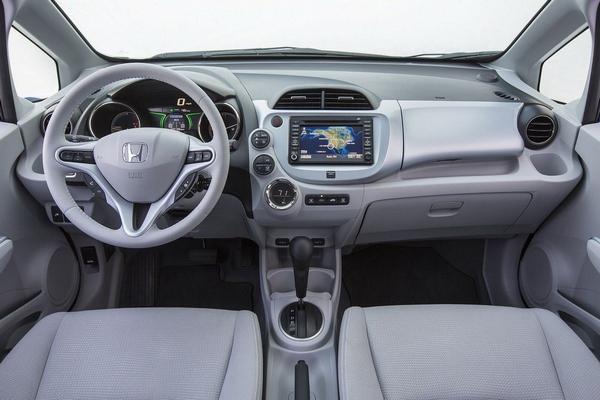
{"points": [[268, 195], [105, 103], [238, 129]]}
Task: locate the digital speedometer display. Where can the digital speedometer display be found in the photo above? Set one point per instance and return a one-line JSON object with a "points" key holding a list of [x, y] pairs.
{"points": [[176, 121]]}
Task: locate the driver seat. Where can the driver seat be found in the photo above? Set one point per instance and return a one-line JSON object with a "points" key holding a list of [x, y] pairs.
{"points": [[137, 354]]}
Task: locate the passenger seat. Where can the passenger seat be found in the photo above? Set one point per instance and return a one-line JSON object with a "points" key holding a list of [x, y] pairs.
{"points": [[463, 352]]}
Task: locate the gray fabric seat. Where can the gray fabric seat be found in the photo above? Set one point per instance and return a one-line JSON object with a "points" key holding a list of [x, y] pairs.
{"points": [[463, 352], [137, 354]]}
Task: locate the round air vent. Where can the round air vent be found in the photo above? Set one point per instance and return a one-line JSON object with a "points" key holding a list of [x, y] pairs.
{"points": [[46, 121], [540, 129], [537, 125]]}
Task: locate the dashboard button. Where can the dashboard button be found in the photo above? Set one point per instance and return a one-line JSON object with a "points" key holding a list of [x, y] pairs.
{"points": [[263, 165], [318, 241], [260, 139], [276, 121], [282, 242], [326, 199], [57, 215]]}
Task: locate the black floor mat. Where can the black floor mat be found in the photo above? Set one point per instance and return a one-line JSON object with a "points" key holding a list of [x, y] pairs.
{"points": [[393, 274], [193, 273], [201, 287]]}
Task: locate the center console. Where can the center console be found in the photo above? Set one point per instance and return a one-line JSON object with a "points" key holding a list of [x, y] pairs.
{"points": [[308, 170]]}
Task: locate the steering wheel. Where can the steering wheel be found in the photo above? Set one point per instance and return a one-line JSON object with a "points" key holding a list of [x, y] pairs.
{"points": [[142, 171]]}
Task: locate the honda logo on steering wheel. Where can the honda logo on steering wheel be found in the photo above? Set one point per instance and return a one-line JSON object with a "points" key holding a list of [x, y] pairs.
{"points": [[135, 152]]}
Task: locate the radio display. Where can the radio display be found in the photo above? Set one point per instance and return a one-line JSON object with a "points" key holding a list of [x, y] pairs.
{"points": [[331, 143]]}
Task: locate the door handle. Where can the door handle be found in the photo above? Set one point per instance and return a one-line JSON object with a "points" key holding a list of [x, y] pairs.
{"points": [[593, 251], [6, 249]]}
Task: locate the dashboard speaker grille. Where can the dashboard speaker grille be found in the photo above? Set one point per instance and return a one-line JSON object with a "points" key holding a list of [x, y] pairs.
{"points": [[541, 129], [506, 96], [323, 99]]}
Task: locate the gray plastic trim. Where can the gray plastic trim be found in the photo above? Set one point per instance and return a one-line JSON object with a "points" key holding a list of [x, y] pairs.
{"points": [[6, 249], [436, 131], [593, 251]]}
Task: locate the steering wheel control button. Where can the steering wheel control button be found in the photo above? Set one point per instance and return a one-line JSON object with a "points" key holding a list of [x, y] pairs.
{"points": [[281, 194], [185, 186], [78, 156], [327, 199], [263, 165], [92, 185], [194, 157], [260, 139]]}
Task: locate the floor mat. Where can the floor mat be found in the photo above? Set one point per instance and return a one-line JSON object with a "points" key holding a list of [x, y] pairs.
{"points": [[193, 273], [394, 274], [201, 287]]}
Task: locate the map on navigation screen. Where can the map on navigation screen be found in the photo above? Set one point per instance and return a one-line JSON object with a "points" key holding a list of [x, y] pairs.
{"points": [[344, 143]]}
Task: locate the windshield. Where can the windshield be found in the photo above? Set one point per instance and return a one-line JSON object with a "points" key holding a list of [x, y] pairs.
{"points": [[142, 29]]}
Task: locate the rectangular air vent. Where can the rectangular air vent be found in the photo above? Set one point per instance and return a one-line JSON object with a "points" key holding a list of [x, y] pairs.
{"points": [[338, 99], [323, 99], [308, 99]]}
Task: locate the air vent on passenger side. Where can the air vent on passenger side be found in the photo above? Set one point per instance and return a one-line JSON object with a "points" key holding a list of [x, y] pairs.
{"points": [[306, 99], [538, 125], [338, 99], [506, 96], [540, 129], [323, 99]]}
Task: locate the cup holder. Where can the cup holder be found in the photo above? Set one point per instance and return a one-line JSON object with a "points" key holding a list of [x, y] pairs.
{"points": [[548, 164]]}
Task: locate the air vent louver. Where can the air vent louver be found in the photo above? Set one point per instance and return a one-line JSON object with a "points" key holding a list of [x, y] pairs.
{"points": [[345, 100], [540, 129], [308, 99], [323, 99], [538, 125], [506, 96]]}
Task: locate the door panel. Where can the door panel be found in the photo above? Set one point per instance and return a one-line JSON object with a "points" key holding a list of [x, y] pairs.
{"points": [[39, 273], [560, 270]]}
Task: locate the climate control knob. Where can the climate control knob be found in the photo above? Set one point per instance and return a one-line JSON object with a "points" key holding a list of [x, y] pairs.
{"points": [[281, 194]]}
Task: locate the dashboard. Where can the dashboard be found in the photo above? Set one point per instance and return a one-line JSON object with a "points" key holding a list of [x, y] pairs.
{"points": [[354, 152]]}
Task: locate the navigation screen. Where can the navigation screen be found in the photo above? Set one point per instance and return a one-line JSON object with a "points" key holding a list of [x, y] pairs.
{"points": [[331, 143]]}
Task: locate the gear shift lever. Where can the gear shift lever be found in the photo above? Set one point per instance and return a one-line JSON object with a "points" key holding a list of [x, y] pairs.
{"points": [[300, 319], [301, 251]]}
